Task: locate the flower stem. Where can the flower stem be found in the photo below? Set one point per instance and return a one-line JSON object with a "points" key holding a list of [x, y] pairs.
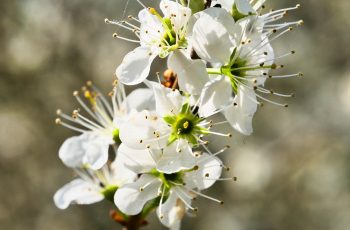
{"points": [[214, 71], [133, 223]]}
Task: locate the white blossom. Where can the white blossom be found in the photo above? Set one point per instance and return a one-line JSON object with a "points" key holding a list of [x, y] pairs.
{"points": [[101, 128], [157, 35]]}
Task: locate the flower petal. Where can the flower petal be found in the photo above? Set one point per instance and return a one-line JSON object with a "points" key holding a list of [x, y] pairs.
{"points": [[119, 173], [135, 66], [212, 35], [171, 8], [151, 30], [192, 74], [139, 161], [174, 160], [240, 113], [209, 170], [168, 101], [226, 4], [144, 129], [77, 191], [172, 211], [88, 148], [244, 7], [216, 94], [141, 99], [130, 199]]}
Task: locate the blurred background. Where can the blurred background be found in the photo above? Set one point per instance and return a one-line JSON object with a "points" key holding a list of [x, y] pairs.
{"points": [[293, 172]]}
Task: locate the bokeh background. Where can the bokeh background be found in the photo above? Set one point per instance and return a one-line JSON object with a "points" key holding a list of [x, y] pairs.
{"points": [[293, 172]]}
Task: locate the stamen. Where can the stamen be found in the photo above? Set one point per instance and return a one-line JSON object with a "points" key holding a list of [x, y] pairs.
{"points": [[207, 197]]}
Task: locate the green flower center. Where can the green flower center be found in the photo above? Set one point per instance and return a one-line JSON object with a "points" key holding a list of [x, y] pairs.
{"points": [[116, 136], [185, 125], [171, 40]]}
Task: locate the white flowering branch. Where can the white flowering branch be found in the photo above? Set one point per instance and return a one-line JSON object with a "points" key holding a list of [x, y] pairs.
{"points": [[219, 56]]}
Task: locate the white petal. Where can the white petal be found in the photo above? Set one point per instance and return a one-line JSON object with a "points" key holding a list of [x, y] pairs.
{"points": [[226, 4], [170, 8], [212, 35], [77, 191], [151, 30], [130, 199], [142, 129], [174, 160], [209, 170], [168, 101], [138, 161], [244, 7], [135, 66], [88, 148], [141, 99], [172, 211], [192, 74], [119, 173], [241, 115], [216, 94]]}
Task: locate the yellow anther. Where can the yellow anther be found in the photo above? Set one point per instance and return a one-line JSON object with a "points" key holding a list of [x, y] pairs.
{"points": [[186, 125], [152, 11]]}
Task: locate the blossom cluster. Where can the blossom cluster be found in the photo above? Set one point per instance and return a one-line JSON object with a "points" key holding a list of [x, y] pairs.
{"points": [[148, 150]]}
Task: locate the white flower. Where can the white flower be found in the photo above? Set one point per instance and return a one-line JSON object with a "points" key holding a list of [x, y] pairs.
{"points": [[240, 68], [93, 185], [101, 128], [158, 36], [172, 192], [176, 119]]}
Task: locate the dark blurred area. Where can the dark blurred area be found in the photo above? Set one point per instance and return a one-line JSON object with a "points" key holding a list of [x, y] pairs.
{"points": [[293, 171]]}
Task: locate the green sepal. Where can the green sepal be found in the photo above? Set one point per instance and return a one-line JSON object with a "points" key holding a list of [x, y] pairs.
{"points": [[109, 191], [169, 119], [195, 5]]}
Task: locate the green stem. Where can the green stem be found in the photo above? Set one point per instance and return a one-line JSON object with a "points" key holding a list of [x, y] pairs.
{"points": [[214, 71]]}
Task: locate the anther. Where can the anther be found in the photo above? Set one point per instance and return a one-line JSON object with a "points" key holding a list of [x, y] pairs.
{"points": [[221, 202], [76, 93], [106, 20], [297, 6], [58, 112], [286, 105], [89, 83], [152, 10], [300, 74], [206, 175], [115, 35], [301, 22], [58, 121], [141, 141], [229, 135], [235, 178], [292, 52]]}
